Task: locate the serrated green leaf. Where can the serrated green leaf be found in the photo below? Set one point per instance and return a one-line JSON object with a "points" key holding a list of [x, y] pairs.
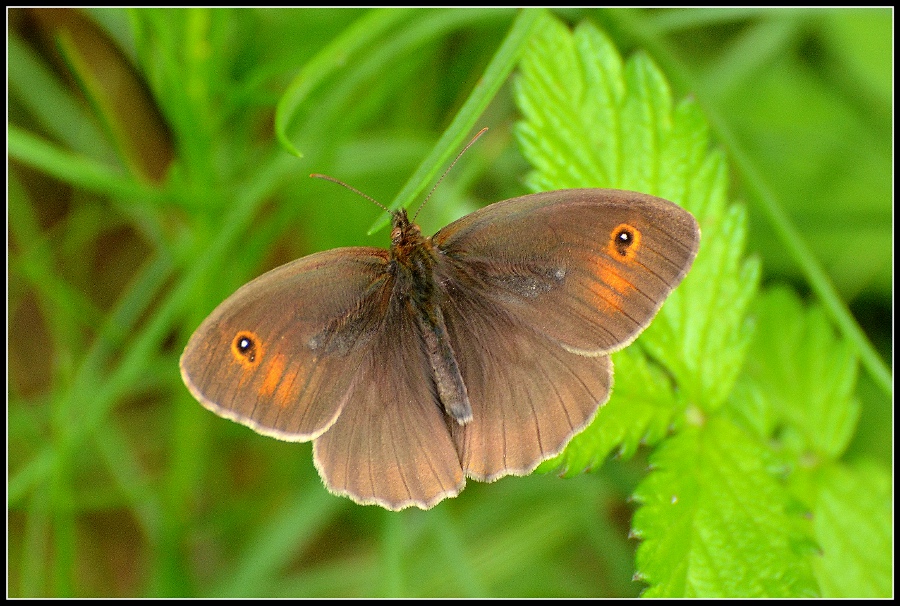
{"points": [[701, 334], [646, 123], [715, 522], [563, 107], [684, 155], [853, 526], [807, 374]]}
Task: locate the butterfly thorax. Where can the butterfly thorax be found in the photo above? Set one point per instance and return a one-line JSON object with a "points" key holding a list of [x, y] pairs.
{"points": [[412, 260]]}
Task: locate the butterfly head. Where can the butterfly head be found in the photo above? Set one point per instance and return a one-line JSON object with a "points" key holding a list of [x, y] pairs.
{"points": [[405, 235]]}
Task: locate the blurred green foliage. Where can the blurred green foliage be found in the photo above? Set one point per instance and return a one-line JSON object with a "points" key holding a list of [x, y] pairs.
{"points": [[146, 184]]}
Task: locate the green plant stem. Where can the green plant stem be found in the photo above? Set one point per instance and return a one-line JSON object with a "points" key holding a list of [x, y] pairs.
{"points": [[333, 106], [805, 259], [495, 75], [368, 28]]}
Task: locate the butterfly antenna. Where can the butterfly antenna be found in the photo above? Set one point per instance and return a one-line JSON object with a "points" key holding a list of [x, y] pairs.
{"points": [[468, 145], [353, 189]]}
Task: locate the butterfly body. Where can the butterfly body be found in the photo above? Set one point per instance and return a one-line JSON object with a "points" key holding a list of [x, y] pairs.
{"points": [[478, 352], [413, 260]]}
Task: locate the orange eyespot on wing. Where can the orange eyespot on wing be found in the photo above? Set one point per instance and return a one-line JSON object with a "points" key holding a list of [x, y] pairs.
{"points": [[624, 242], [247, 349]]}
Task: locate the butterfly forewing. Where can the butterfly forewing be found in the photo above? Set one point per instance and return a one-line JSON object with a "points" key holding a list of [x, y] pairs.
{"points": [[588, 268], [275, 355]]}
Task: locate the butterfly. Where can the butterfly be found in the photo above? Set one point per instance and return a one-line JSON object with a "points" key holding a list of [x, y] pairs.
{"points": [[476, 353]]}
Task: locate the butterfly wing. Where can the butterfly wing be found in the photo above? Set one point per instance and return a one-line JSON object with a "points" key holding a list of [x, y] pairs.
{"points": [[588, 268], [537, 290], [391, 445], [275, 355]]}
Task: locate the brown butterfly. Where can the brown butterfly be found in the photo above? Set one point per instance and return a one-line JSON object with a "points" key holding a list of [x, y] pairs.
{"points": [[478, 352]]}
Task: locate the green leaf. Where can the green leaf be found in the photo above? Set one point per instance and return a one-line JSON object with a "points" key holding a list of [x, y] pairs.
{"points": [[807, 374], [719, 517], [56, 110], [853, 526], [76, 169], [803, 379], [715, 522], [701, 333], [570, 91]]}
